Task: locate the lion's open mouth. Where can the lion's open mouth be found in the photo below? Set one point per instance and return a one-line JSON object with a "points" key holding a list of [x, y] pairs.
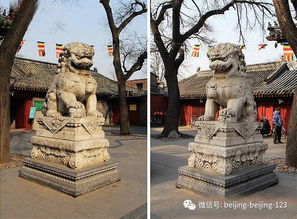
{"points": [[80, 66], [223, 71]]}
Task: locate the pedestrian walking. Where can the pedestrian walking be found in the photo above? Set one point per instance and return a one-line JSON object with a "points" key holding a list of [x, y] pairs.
{"points": [[278, 124]]}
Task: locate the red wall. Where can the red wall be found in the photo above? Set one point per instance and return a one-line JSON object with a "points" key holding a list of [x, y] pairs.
{"points": [[134, 115], [158, 104], [265, 107], [285, 113], [189, 109]]}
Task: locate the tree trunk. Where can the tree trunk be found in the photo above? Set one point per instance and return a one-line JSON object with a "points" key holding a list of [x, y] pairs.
{"points": [[4, 109], [172, 117], [291, 149], [124, 120], [286, 22], [289, 30], [8, 50]]}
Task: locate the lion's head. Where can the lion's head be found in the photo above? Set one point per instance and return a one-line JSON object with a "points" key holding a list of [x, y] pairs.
{"points": [[226, 60], [76, 56]]}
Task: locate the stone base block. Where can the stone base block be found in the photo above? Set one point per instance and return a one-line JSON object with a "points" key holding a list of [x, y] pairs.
{"points": [[243, 182], [74, 182]]}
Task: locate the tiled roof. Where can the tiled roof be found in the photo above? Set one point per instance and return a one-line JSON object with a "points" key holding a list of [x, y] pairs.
{"points": [[32, 75], [283, 85], [269, 79], [194, 86]]}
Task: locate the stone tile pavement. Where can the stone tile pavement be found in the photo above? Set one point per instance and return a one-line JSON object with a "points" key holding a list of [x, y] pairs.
{"points": [[22, 199], [167, 201]]}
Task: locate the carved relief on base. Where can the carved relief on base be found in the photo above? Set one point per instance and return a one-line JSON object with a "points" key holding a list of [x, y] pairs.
{"points": [[224, 160], [71, 159], [87, 126], [225, 166]]}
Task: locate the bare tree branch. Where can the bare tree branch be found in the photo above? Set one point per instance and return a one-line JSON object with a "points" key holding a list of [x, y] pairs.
{"points": [[197, 7], [176, 20], [211, 13], [165, 6], [137, 65], [180, 58], [109, 14], [133, 14], [158, 39]]}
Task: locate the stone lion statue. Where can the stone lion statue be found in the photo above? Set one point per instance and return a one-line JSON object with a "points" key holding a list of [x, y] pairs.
{"points": [[73, 91], [229, 88]]}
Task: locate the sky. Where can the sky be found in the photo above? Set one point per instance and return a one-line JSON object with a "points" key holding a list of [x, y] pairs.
{"points": [[65, 21], [224, 30]]}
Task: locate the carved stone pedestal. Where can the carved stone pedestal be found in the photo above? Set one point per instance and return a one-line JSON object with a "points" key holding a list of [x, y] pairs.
{"points": [[226, 160], [70, 155], [74, 182]]}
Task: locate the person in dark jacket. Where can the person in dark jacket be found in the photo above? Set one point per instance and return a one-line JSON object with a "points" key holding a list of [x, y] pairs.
{"points": [[278, 124]]}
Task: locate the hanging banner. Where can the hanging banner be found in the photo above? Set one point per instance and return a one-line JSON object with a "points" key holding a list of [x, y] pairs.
{"points": [[196, 50], [289, 57], [287, 48], [261, 46], [110, 50], [41, 48], [288, 52], [20, 46], [59, 48]]}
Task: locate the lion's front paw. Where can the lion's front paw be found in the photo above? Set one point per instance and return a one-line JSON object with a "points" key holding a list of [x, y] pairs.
{"points": [[223, 112], [95, 113], [227, 115], [230, 114], [52, 113], [79, 105], [76, 105], [77, 113], [201, 118], [205, 118]]}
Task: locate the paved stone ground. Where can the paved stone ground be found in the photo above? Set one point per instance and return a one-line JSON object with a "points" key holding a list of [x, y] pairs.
{"points": [[23, 199], [167, 201]]}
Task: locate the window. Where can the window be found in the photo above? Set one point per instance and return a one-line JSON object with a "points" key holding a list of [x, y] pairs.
{"points": [[139, 86]]}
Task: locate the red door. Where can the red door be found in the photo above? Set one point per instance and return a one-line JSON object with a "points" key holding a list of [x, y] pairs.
{"points": [[22, 118], [134, 113]]}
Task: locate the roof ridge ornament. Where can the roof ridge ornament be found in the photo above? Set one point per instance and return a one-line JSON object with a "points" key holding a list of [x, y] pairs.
{"points": [[278, 72]]}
